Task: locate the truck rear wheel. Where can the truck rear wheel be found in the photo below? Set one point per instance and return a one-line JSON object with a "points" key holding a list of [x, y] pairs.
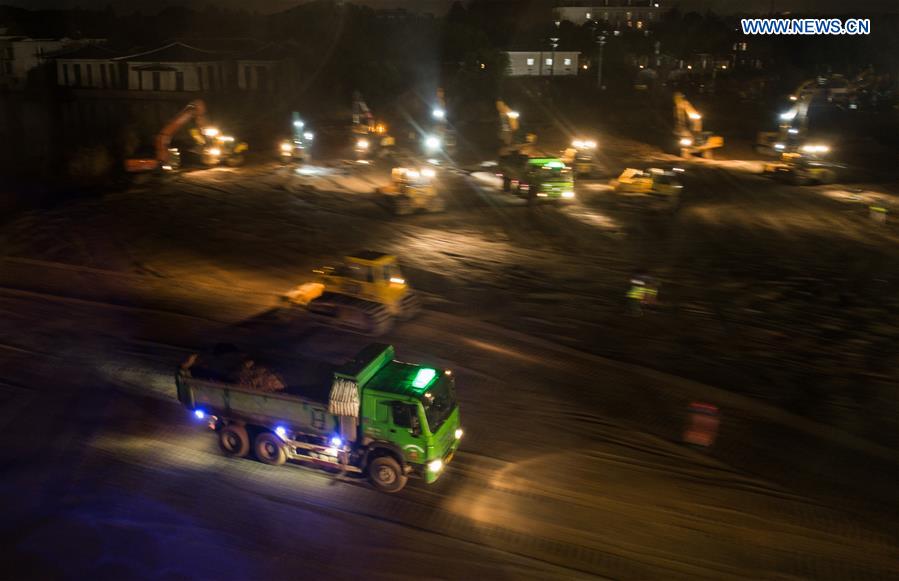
{"points": [[270, 449], [234, 441], [385, 474]]}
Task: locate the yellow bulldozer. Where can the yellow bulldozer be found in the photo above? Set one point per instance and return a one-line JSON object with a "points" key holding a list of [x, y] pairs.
{"points": [[412, 190], [366, 294]]}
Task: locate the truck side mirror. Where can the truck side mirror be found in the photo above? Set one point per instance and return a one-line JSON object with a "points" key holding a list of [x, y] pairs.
{"points": [[415, 430]]}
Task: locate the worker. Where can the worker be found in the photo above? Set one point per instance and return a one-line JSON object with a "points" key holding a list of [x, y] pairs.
{"points": [[643, 292]]}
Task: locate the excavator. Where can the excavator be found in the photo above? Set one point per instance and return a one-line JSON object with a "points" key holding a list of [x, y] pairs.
{"points": [[366, 294], [802, 160], [297, 147], [525, 170], [691, 139], [370, 138], [212, 145]]}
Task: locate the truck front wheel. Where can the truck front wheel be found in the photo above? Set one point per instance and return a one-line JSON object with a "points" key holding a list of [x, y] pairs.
{"points": [[234, 441], [386, 475], [270, 449]]}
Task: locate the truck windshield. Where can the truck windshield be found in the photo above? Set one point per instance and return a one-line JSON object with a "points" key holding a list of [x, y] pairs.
{"points": [[439, 402]]}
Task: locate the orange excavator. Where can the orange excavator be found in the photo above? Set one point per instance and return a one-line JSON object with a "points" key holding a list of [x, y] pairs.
{"points": [[212, 145]]}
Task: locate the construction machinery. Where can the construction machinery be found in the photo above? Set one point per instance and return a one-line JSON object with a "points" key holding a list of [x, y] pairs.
{"points": [[691, 139], [371, 416], [442, 138], [653, 185], [538, 179], [370, 137], [297, 148], [413, 190], [581, 156], [212, 146], [365, 294], [802, 161]]}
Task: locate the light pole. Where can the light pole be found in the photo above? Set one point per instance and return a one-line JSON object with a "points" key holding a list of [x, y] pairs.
{"points": [[555, 43], [601, 41]]}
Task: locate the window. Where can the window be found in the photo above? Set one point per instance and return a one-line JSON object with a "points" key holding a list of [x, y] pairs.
{"points": [[156, 81], [247, 77], [530, 62], [77, 70], [549, 62], [567, 62], [112, 77], [90, 75], [65, 74], [211, 72], [405, 415], [262, 78], [140, 80], [179, 81], [103, 78], [200, 78]]}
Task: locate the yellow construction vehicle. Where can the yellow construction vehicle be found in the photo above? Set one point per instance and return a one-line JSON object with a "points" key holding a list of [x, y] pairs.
{"points": [[581, 156], [412, 190], [365, 294], [805, 166], [691, 139], [654, 186]]}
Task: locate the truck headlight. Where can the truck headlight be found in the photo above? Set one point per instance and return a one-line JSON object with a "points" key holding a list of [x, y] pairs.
{"points": [[459, 433], [568, 195], [214, 151], [362, 144], [435, 465], [308, 136], [686, 141], [286, 147], [432, 143]]}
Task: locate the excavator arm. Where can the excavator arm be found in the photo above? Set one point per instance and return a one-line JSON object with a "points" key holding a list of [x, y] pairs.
{"points": [[194, 110], [687, 119]]}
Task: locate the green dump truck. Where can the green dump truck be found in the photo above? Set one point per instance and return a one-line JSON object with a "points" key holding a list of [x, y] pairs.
{"points": [[539, 179], [371, 416]]}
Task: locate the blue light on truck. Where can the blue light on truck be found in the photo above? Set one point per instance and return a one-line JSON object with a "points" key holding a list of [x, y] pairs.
{"points": [[336, 442], [200, 414], [281, 432]]}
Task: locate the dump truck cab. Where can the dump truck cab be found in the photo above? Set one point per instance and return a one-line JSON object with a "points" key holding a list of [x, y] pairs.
{"points": [[412, 411]]}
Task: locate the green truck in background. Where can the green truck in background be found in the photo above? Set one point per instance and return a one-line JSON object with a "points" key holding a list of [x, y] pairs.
{"points": [[377, 417], [539, 179]]}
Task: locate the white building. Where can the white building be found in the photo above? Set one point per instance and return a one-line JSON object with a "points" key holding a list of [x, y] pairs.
{"points": [[90, 67], [20, 54], [176, 67], [263, 69], [543, 63], [619, 13]]}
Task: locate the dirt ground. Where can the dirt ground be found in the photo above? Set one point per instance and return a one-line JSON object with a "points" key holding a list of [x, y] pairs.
{"points": [[777, 301]]}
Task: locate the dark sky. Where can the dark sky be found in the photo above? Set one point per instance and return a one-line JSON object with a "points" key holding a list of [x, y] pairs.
{"points": [[440, 6]]}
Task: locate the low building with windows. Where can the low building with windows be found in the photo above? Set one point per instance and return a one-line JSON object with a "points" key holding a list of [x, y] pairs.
{"points": [[90, 67], [546, 63], [177, 67], [264, 69], [19, 55]]}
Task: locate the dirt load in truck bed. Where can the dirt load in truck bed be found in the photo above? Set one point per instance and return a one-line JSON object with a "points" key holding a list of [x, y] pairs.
{"points": [[265, 373]]}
